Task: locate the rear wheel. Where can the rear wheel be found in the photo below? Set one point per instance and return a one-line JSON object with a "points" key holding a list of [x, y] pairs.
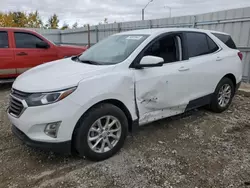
{"points": [[101, 133], [223, 95]]}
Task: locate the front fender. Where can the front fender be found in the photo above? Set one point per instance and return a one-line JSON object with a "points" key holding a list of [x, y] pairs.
{"points": [[118, 86]]}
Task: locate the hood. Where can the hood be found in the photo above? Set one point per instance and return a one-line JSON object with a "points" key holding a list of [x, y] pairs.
{"points": [[57, 75]]}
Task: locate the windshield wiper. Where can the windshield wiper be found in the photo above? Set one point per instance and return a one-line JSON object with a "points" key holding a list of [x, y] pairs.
{"points": [[88, 62], [77, 59]]}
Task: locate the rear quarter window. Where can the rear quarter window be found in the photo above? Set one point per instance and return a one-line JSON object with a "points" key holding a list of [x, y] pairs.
{"points": [[226, 39], [200, 44]]}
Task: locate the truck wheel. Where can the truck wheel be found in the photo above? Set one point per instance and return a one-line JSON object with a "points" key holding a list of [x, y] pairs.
{"points": [[222, 96], [102, 132]]}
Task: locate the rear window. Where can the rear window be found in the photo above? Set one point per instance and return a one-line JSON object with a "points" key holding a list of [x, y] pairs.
{"points": [[226, 39], [4, 39]]}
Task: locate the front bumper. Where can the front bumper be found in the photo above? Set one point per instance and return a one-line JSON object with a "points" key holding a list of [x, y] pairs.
{"points": [[33, 121], [60, 147]]}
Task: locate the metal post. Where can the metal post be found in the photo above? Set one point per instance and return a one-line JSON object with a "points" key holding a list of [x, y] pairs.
{"points": [[96, 33], [142, 11], [150, 23], [194, 22], [170, 10], [119, 27], [88, 36], [60, 36]]}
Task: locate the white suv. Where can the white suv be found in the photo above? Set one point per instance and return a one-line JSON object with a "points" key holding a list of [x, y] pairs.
{"points": [[88, 103]]}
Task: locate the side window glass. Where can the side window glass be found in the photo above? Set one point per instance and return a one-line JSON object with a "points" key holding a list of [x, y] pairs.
{"points": [[4, 43], [197, 44], [211, 44], [26, 40], [226, 39], [166, 48]]}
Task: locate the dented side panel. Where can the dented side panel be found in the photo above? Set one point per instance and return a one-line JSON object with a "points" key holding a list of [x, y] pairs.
{"points": [[161, 91]]}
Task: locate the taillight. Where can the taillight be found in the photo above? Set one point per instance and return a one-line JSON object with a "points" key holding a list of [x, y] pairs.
{"points": [[240, 55]]}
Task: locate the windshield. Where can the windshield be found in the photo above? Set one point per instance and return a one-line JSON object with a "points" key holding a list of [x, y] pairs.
{"points": [[113, 49]]}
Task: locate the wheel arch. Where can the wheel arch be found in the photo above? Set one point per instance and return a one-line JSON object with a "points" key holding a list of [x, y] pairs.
{"points": [[232, 78], [114, 102]]}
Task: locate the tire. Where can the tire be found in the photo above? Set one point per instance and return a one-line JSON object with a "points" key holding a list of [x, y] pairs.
{"points": [[216, 104], [89, 128]]}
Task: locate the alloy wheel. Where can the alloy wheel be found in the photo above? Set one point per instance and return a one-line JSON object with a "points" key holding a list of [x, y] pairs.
{"points": [[224, 95], [104, 134]]}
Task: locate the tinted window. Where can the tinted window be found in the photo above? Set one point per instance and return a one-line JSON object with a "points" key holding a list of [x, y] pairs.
{"points": [[165, 48], [4, 40], [26, 40], [226, 39], [200, 44], [212, 46]]}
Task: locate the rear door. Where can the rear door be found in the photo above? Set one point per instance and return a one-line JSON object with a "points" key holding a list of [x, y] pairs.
{"points": [[7, 64], [204, 58], [27, 55]]}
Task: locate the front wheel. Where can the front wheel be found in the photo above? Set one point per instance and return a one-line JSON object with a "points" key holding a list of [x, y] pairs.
{"points": [[101, 133], [222, 96]]}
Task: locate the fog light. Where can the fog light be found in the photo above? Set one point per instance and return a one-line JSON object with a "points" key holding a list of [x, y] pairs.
{"points": [[52, 128]]}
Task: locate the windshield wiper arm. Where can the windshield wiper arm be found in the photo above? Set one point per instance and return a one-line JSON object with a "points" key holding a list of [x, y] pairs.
{"points": [[88, 62], [76, 58]]}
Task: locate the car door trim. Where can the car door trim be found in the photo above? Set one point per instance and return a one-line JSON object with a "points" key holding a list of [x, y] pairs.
{"points": [[199, 102]]}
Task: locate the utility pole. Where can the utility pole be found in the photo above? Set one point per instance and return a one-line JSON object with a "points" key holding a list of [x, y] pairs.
{"points": [[170, 10], [143, 10]]}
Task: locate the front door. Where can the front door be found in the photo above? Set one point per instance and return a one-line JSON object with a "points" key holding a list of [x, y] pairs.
{"points": [[27, 55], [163, 91]]}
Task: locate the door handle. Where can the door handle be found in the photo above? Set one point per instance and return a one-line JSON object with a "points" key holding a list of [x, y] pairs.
{"points": [[21, 54], [219, 58], [183, 69]]}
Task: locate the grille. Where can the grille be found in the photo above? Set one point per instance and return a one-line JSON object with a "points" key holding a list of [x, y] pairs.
{"points": [[16, 107], [19, 94]]}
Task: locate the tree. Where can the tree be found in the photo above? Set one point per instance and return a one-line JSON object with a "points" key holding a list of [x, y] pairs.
{"points": [[34, 20], [65, 26], [105, 21], [19, 19], [75, 25], [6, 20], [53, 22]]}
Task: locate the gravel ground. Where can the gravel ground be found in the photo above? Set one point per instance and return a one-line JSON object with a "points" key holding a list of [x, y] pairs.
{"points": [[198, 149]]}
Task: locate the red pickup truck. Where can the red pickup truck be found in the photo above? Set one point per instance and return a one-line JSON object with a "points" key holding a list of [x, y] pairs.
{"points": [[21, 49]]}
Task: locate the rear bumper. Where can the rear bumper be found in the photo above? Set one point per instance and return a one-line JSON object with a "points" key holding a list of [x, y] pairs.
{"points": [[61, 147]]}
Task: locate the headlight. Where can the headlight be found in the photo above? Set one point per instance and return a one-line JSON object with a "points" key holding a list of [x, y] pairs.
{"points": [[38, 99]]}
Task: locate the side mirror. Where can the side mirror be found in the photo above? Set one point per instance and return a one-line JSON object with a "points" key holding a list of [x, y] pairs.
{"points": [[150, 61], [42, 44]]}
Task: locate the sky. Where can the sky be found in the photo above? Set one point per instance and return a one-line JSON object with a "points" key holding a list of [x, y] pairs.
{"points": [[94, 11]]}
